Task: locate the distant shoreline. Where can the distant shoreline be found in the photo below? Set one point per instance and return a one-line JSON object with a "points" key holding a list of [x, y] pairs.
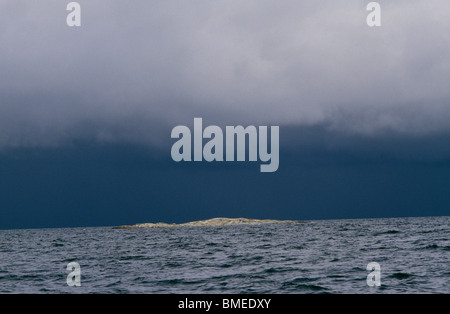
{"points": [[208, 222]]}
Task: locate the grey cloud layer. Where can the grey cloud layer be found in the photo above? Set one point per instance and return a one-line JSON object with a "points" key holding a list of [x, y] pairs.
{"points": [[135, 68]]}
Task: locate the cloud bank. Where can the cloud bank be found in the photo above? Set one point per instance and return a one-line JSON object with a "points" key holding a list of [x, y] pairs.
{"points": [[132, 70]]}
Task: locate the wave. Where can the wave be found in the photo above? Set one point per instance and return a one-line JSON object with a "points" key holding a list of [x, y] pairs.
{"points": [[386, 232], [401, 276]]}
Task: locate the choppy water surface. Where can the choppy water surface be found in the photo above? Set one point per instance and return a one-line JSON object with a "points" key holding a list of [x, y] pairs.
{"points": [[314, 257]]}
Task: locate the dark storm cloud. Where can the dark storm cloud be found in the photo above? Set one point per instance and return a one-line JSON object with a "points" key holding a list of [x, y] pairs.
{"points": [[134, 70]]}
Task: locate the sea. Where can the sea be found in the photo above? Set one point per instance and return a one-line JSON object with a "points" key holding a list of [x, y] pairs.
{"points": [[329, 256]]}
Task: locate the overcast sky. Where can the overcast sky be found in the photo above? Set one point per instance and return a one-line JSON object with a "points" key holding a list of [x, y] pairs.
{"points": [[363, 111], [136, 68]]}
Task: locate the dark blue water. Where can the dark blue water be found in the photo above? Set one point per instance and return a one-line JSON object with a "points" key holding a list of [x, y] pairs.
{"points": [[314, 257]]}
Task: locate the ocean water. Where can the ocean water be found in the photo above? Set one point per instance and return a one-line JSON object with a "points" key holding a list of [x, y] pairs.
{"points": [[312, 257]]}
